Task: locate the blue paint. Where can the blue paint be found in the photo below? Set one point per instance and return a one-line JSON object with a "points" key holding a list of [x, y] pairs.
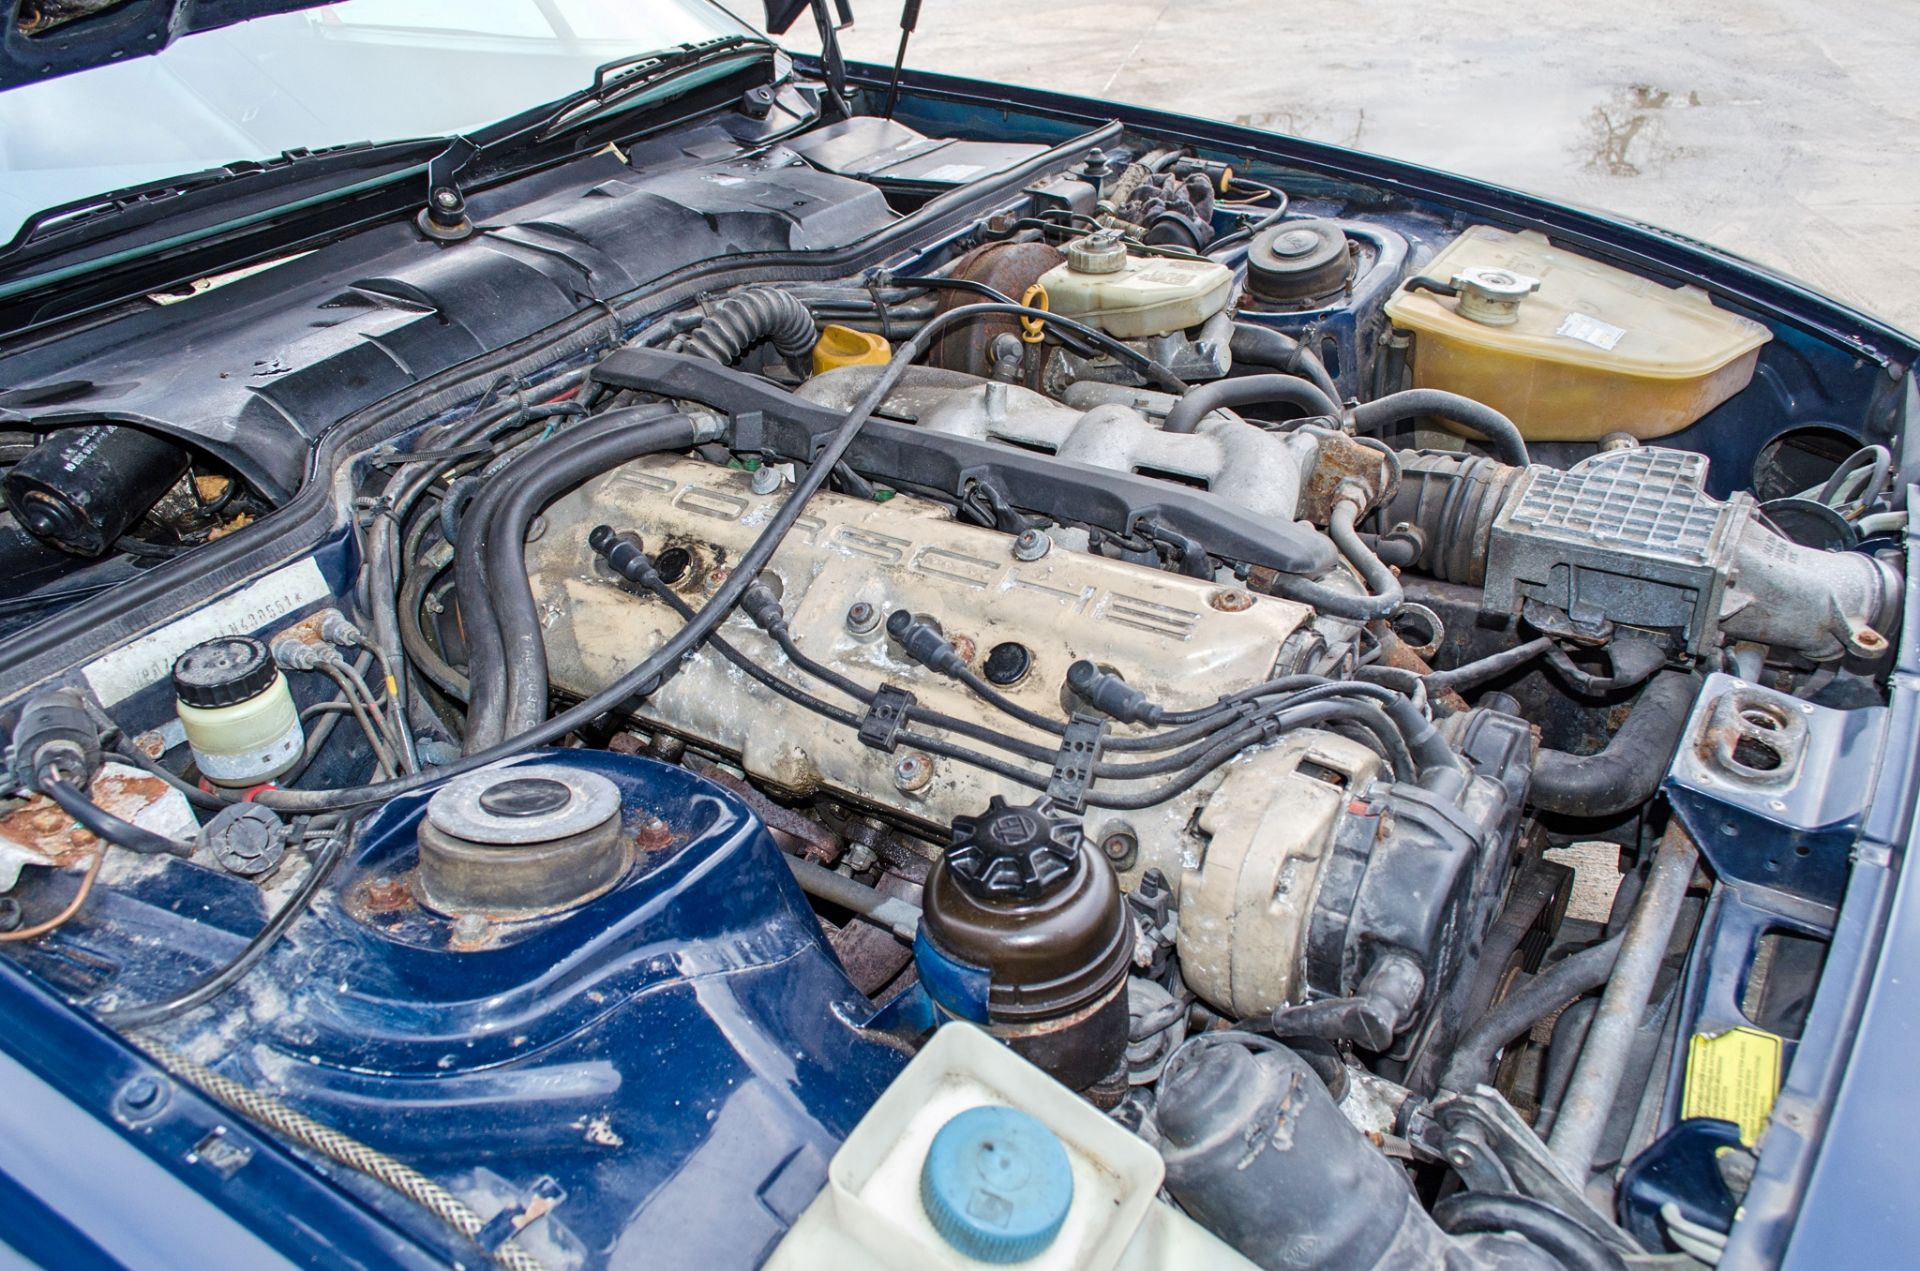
{"points": [[957, 989], [678, 1058], [1791, 831], [1681, 1167]]}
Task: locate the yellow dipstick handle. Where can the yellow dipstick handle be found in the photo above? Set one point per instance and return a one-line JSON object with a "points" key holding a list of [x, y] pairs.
{"points": [[1033, 330]]}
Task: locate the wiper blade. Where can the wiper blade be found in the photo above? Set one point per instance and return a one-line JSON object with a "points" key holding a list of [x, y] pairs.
{"points": [[613, 82]]}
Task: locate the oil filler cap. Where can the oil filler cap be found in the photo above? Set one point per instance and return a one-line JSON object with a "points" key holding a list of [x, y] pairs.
{"points": [[996, 1184]]}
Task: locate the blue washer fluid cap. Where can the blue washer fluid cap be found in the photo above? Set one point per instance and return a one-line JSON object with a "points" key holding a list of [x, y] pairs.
{"points": [[996, 1184]]}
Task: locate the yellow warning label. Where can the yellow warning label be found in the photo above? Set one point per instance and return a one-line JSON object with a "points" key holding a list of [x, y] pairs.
{"points": [[1733, 1076]]}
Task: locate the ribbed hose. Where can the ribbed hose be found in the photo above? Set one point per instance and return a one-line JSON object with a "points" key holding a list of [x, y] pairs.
{"points": [[743, 320], [1452, 499], [264, 1109]]}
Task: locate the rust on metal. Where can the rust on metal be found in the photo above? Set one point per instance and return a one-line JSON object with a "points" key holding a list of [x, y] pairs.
{"points": [[796, 833], [40, 825], [1341, 459], [386, 893], [1397, 653], [652, 834]]}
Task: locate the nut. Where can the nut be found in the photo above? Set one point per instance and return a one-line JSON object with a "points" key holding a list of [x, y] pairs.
{"points": [[386, 894], [863, 618], [912, 771], [469, 931], [1231, 600], [652, 834], [964, 646], [1121, 847], [766, 480], [716, 578], [1031, 545]]}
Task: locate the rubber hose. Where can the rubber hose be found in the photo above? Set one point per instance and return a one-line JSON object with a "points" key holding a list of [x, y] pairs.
{"points": [[1563, 1051], [1628, 772], [521, 636], [1452, 499], [1546, 1228], [1288, 390], [1263, 346], [1342, 528], [1526, 1006], [486, 659], [745, 319], [125, 834], [1499, 431], [1468, 674]]}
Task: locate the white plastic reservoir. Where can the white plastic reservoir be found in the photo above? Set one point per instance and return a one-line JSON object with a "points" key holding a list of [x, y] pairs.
{"points": [[1009, 1204]]}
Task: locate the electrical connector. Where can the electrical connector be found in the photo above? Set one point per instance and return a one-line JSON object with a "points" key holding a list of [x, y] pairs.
{"points": [[760, 604], [55, 737], [1111, 695], [925, 645]]}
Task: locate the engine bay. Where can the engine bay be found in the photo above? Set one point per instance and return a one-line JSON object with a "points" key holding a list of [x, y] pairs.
{"points": [[1331, 679]]}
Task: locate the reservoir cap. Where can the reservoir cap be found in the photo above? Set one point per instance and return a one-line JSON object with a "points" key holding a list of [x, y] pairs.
{"points": [[996, 1184], [223, 672]]}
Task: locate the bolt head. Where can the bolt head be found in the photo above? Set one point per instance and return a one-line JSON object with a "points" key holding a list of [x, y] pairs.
{"points": [[1231, 600], [863, 618], [1031, 545], [912, 771], [443, 197]]}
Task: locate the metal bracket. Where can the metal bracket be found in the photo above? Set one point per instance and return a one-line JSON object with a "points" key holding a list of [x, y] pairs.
{"points": [[880, 726], [1774, 789], [1073, 764], [1493, 1150], [445, 215]]}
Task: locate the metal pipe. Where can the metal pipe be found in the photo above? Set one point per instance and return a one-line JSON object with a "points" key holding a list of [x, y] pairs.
{"points": [[1603, 1061], [891, 912]]}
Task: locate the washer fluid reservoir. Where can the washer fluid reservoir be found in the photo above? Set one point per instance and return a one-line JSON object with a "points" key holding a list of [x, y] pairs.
{"points": [[1589, 350], [1131, 297]]}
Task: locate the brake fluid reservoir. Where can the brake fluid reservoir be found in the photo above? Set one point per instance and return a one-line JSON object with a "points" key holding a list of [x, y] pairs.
{"points": [[1131, 297], [1589, 351], [237, 711]]}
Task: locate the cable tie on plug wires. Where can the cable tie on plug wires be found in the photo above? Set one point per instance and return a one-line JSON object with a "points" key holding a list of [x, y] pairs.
{"points": [[1075, 761], [886, 715]]}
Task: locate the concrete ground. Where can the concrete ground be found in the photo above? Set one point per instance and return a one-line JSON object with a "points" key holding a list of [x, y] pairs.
{"points": [[1783, 131]]}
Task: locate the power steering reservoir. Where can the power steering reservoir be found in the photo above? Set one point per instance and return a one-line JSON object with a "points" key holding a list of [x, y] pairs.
{"points": [[1024, 931], [237, 711]]}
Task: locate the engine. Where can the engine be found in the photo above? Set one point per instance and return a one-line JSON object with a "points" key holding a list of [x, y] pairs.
{"points": [[1199, 644]]}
